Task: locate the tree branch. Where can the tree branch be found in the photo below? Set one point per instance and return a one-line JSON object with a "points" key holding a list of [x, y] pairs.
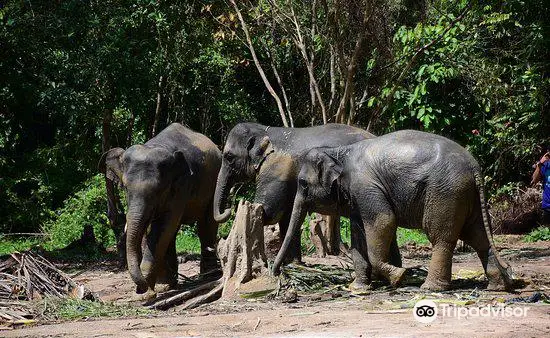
{"points": [[258, 65]]}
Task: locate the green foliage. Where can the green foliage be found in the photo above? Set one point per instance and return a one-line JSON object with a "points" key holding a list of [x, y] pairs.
{"points": [[74, 309], [67, 67], [9, 244], [482, 83], [539, 234], [87, 206], [345, 230], [405, 236], [187, 240]]}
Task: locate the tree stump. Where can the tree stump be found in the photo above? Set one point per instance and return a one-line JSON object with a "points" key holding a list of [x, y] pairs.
{"points": [[272, 240], [324, 233], [242, 254], [243, 260]]}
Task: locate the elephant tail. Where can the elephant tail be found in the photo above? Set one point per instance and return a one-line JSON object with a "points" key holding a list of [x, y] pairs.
{"points": [[503, 267]]}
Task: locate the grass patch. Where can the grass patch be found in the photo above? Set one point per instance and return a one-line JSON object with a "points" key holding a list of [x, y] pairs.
{"points": [[74, 309], [80, 254], [411, 235], [187, 240], [9, 244], [539, 234]]}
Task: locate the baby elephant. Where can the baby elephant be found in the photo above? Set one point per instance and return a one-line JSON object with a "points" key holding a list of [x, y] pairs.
{"points": [[409, 179]]}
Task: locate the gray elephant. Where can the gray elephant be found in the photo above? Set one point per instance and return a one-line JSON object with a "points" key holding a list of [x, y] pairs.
{"points": [[271, 157], [169, 180], [407, 178]]}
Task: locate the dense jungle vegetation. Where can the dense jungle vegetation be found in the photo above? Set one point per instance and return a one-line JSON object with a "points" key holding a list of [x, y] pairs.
{"points": [[79, 77]]}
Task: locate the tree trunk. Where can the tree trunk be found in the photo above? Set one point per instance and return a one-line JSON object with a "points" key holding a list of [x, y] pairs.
{"points": [[88, 233], [158, 109], [325, 235]]}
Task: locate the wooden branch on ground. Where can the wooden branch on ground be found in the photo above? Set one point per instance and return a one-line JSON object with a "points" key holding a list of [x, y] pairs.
{"points": [[27, 276]]}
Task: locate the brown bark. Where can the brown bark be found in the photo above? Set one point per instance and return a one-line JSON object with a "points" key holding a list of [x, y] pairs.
{"points": [[115, 211], [300, 43], [325, 235]]}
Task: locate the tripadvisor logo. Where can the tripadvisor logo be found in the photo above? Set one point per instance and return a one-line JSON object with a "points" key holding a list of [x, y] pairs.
{"points": [[426, 311]]}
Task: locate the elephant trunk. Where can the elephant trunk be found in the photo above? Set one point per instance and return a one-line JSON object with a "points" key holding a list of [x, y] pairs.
{"points": [[298, 213], [136, 224], [220, 197]]}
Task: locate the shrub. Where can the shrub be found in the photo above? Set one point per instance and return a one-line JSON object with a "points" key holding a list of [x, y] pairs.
{"points": [[87, 206], [515, 211], [539, 234]]}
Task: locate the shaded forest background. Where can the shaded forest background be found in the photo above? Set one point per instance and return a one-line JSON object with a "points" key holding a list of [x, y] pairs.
{"points": [[79, 77]]}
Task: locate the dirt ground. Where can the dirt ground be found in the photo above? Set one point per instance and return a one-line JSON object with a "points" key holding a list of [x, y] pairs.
{"points": [[334, 312]]}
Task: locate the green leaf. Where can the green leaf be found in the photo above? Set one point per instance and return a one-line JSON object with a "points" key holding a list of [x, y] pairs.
{"points": [[371, 101]]}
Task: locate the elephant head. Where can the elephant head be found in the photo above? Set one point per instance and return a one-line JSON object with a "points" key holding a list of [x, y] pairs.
{"points": [[318, 190], [148, 176], [246, 148]]}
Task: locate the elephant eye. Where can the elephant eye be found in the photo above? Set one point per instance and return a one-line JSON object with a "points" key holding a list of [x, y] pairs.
{"points": [[229, 157], [303, 184]]}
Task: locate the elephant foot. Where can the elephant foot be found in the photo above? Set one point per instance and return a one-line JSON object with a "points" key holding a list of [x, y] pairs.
{"points": [[144, 297], [358, 287], [397, 275], [500, 279], [435, 285], [163, 287], [294, 259]]}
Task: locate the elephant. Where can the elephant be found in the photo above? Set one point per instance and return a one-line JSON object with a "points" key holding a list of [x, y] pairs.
{"points": [[408, 178], [271, 156], [168, 180]]}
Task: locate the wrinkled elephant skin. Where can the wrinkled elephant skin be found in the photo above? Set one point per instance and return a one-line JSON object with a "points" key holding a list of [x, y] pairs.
{"points": [[409, 179], [271, 157], [169, 180]]}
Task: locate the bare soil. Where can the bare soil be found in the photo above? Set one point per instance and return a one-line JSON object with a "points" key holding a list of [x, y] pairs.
{"points": [[334, 312]]}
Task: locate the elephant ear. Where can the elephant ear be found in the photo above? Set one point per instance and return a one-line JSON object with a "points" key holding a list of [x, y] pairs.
{"points": [[182, 164], [330, 169], [259, 150], [111, 165]]}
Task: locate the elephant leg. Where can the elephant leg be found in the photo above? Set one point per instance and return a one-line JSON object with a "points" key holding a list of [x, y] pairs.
{"points": [[168, 272], [207, 230], [359, 256], [295, 250], [380, 227], [497, 273], [442, 225], [159, 238], [395, 255], [121, 249], [439, 272]]}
